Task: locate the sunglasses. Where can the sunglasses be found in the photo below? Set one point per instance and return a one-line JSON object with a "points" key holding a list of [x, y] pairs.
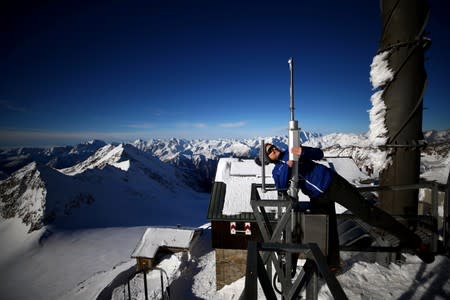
{"points": [[270, 149]]}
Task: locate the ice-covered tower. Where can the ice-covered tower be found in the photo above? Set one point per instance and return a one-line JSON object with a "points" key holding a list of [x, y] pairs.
{"points": [[399, 77]]}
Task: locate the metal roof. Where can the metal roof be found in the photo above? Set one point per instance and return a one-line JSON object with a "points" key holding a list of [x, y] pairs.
{"points": [[216, 206]]}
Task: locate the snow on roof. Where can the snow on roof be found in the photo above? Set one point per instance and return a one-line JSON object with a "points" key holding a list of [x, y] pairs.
{"points": [[228, 167], [347, 168], [249, 168], [238, 175], [155, 237]]}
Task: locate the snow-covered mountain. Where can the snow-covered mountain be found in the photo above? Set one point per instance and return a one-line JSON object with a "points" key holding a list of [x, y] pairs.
{"points": [[199, 158], [117, 186], [73, 228], [434, 136], [135, 175], [58, 157], [202, 155]]}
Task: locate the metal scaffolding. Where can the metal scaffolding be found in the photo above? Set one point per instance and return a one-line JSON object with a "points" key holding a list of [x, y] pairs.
{"points": [[279, 248]]}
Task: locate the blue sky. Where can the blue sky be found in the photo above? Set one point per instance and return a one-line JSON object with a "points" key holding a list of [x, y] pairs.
{"points": [[196, 69]]}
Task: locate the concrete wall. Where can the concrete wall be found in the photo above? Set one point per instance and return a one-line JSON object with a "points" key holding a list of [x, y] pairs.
{"points": [[230, 266]]}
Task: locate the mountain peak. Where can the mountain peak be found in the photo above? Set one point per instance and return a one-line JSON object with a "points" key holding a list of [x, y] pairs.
{"points": [[23, 195], [108, 154]]}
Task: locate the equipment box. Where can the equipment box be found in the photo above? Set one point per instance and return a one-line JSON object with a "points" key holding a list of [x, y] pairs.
{"points": [[314, 228]]}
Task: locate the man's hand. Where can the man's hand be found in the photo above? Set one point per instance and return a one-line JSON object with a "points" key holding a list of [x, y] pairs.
{"points": [[296, 150], [290, 163]]}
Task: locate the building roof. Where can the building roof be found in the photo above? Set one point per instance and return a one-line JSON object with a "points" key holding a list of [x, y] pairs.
{"points": [[230, 197], [216, 206], [347, 168], [155, 237]]}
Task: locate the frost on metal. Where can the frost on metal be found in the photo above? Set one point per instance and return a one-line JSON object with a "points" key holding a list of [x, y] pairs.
{"points": [[377, 114], [380, 75]]}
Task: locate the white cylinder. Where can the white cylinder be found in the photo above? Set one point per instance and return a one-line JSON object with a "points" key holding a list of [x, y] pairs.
{"points": [[294, 139]]}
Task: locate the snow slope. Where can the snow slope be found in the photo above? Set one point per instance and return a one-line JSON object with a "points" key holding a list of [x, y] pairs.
{"points": [[57, 265], [79, 264]]}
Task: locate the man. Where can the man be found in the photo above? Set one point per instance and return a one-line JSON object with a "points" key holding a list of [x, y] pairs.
{"points": [[325, 187]]}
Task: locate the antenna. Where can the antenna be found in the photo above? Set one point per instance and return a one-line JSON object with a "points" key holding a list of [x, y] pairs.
{"points": [[291, 89], [294, 138]]}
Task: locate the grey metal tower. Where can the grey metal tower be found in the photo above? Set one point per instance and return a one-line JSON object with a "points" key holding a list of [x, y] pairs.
{"points": [[403, 25]]}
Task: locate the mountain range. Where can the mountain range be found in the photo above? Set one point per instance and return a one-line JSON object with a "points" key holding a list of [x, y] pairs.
{"points": [[118, 185], [71, 216], [95, 184]]}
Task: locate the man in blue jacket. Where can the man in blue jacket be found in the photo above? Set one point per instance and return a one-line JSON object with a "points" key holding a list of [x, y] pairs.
{"points": [[324, 187]]}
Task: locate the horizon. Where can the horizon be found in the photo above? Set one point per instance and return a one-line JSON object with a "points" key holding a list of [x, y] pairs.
{"points": [[120, 72], [116, 142]]}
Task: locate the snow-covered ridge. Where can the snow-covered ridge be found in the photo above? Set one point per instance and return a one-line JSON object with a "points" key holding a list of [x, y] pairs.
{"points": [[434, 136], [108, 154], [57, 157], [117, 186], [150, 170], [23, 195], [199, 157]]}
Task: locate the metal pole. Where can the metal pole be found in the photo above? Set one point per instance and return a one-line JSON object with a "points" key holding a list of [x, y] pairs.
{"points": [[446, 226], [291, 89], [403, 25], [162, 285], [263, 167], [434, 213], [312, 284], [294, 140], [145, 285], [129, 291]]}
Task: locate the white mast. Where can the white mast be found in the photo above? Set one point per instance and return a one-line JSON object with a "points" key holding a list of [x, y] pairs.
{"points": [[294, 138]]}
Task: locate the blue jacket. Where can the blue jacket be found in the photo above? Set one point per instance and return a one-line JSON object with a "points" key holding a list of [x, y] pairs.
{"points": [[314, 178]]}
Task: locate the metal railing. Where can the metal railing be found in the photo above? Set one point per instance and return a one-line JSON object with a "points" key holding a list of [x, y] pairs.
{"points": [[278, 249], [165, 293], [429, 222], [279, 245], [308, 277]]}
